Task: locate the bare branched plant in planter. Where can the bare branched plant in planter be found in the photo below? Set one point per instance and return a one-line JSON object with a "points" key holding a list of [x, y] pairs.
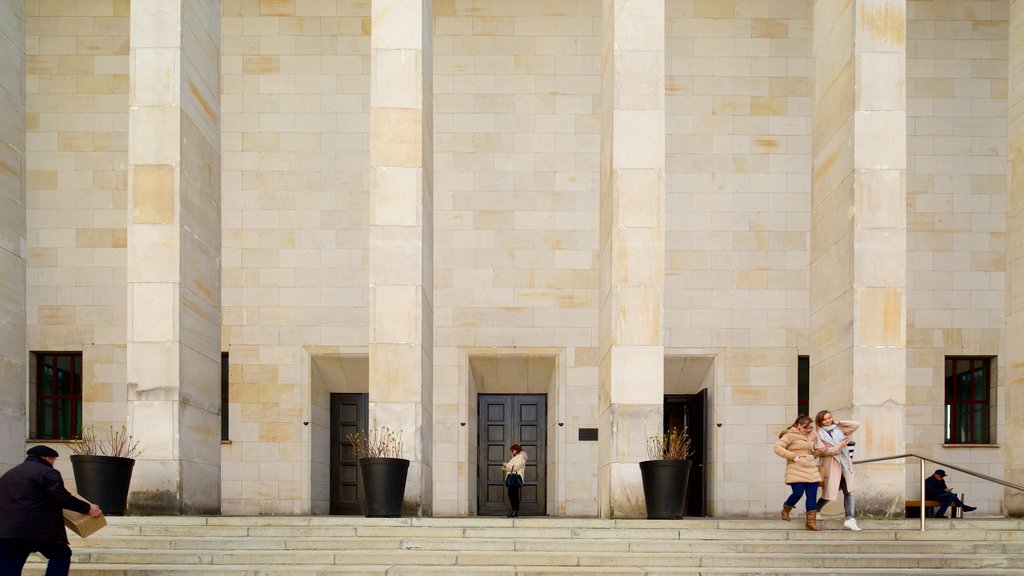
{"points": [[117, 443], [667, 473], [381, 442], [382, 471], [102, 464], [672, 445]]}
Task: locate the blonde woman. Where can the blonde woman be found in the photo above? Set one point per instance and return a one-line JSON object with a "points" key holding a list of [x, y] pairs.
{"points": [[832, 445], [796, 445], [514, 469]]}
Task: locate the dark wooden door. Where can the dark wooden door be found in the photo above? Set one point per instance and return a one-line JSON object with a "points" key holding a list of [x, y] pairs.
{"points": [[504, 420], [349, 414], [688, 411]]}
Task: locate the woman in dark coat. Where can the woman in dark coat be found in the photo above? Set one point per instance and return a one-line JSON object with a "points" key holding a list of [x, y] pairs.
{"points": [[32, 500]]}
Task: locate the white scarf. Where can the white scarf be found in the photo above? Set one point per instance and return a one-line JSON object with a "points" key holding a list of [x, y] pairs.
{"points": [[834, 439]]}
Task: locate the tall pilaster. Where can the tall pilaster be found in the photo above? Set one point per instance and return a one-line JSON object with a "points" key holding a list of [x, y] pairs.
{"points": [[632, 254], [174, 255], [858, 229], [1012, 439], [401, 234], [13, 353]]}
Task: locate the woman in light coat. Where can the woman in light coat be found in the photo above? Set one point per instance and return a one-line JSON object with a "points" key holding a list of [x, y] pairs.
{"points": [[831, 444], [796, 445], [515, 465]]}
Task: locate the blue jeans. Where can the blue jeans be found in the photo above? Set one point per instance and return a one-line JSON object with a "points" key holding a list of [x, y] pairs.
{"points": [[946, 498], [848, 499], [14, 553], [800, 489]]}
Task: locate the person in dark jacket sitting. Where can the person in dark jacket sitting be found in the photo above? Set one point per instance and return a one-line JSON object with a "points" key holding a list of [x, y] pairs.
{"points": [[935, 489], [32, 500]]}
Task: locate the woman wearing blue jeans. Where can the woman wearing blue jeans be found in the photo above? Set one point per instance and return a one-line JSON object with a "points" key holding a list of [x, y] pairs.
{"points": [[796, 445]]}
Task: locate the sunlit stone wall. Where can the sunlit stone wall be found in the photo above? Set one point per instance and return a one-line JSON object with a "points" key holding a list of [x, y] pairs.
{"points": [[957, 222], [737, 231], [77, 153]]}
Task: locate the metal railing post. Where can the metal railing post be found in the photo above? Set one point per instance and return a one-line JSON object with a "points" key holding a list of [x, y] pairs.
{"points": [[921, 460]]}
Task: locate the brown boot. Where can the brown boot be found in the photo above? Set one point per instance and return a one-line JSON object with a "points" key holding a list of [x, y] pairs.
{"points": [[812, 520], [785, 512]]}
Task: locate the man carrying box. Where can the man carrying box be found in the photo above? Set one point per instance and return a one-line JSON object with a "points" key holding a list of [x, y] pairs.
{"points": [[32, 500]]}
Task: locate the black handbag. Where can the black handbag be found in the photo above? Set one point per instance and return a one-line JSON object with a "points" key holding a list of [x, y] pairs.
{"points": [[513, 480]]}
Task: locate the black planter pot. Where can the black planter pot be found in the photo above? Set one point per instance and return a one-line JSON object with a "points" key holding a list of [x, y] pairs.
{"points": [[383, 486], [665, 487], [104, 481]]}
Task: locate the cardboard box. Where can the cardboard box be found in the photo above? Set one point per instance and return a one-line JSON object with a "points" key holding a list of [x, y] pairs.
{"points": [[83, 524]]}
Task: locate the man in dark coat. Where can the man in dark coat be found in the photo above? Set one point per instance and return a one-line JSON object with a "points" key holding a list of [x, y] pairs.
{"points": [[32, 499], [935, 489]]}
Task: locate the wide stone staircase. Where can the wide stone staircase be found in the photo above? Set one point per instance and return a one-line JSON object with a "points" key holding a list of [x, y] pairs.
{"points": [[335, 545]]}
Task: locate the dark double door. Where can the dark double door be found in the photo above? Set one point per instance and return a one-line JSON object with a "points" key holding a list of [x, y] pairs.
{"points": [[506, 419], [686, 411], [349, 414]]}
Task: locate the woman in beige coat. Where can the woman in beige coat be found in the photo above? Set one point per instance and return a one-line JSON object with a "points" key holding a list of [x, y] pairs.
{"points": [[831, 443], [796, 445], [516, 466]]}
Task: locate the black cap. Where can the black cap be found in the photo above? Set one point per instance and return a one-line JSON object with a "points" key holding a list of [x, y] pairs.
{"points": [[41, 451], [940, 472]]}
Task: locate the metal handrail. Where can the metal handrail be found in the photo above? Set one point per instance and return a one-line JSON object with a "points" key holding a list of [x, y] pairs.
{"points": [[923, 459]]}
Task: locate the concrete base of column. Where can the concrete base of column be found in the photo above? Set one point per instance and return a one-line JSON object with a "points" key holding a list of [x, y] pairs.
{"points": [[178, 471], [881, 486], [409, 418], [1013, 500], [624, 431], [174, 487]]}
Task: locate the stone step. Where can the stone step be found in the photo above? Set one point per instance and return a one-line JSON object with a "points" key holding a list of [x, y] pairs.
{"points": [[375, 544], [591, 528], [778, 558], [387, 570], [272, 546], [544, 521]]}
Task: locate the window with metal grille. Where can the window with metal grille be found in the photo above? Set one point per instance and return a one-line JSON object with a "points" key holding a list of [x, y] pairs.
{"points": [[968, 385], [803, 384], [58, 395], [224, 370]]}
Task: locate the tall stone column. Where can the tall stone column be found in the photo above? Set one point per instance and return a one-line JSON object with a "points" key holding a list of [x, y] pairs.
{"points": [[858, 230], [632, 257], [174, 255], [13, 353], [1012, 439], [401, 234]]}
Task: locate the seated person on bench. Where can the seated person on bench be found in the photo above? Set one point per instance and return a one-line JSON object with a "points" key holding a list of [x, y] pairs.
{"points": [[935, 489]]}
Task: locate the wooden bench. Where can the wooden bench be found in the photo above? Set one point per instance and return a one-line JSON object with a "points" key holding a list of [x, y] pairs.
{"points": [[929, 508]]}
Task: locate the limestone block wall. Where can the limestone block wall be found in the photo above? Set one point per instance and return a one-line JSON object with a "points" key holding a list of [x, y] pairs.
{"points": [[1013, 421], [737, 232], [517, 138], [12, 232], [956, 219], [295, 189], [76, 149]]}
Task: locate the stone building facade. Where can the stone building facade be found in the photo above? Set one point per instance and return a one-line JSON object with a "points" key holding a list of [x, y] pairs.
{"points": [[588, 216]]}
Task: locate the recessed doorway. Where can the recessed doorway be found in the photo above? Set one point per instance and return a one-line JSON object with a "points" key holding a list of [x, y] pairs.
{"points": [[349, 415], [687, 412], [506, 419]]}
